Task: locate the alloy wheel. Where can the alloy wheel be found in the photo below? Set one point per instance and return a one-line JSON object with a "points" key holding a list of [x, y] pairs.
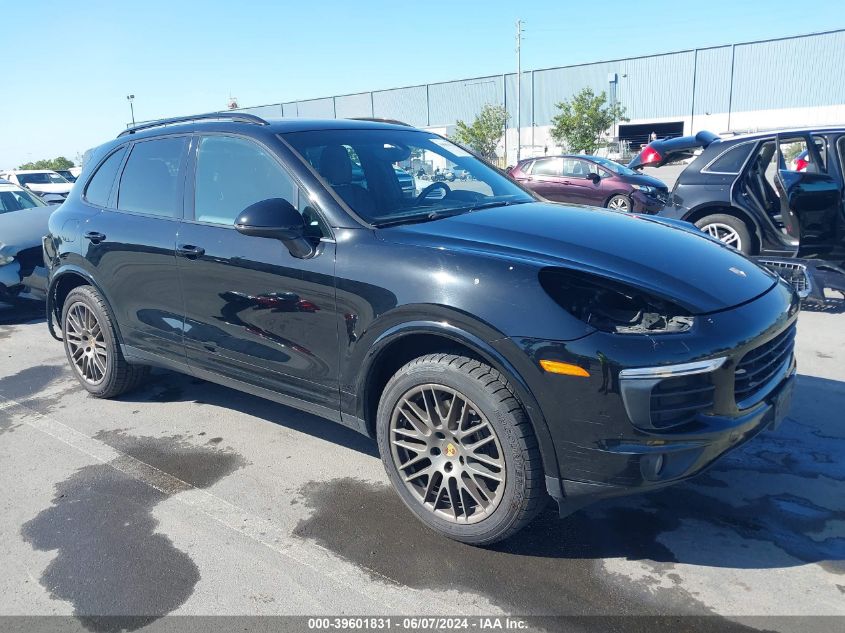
{"points": [[87, 345], [447, 453], [619, 203], [724, 233]]}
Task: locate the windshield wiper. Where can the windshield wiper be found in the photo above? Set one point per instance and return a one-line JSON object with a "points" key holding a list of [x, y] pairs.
{"points": [[445, 213], [500, 203], [428, 216]]}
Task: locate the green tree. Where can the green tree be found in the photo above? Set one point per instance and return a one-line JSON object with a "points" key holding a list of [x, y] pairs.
{"points": [[485, 132], [49, 163], [582, 122]]}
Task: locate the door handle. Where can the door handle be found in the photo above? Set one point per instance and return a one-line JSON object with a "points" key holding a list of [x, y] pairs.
{"points": [[190, 251], [95, 237]]}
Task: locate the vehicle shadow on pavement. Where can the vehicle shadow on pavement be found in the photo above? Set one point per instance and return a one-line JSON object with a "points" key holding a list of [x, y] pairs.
{"points": [[165, 386], [776, 502], [18, 314]]}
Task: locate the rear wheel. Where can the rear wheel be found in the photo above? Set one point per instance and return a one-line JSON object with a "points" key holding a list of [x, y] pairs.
{"points": [[92, 348], [620, 203], [727, 229], [459, 449]]}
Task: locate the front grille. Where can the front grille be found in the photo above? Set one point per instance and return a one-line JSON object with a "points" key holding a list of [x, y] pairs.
{"points": [[761, 364], [678, 400]]}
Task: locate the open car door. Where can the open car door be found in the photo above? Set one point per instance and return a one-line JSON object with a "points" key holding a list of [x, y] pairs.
{"points": [[810, 200], [658, 153]]}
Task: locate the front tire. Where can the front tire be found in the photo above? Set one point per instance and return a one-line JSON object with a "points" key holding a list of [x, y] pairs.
{"points": [[92, 348], [727, 229], [459, 449], [620, 203]]}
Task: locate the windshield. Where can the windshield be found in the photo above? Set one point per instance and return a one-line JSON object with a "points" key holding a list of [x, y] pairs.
{"points": [[613, 166], [17, 199], [42, 178], [361, 167]]}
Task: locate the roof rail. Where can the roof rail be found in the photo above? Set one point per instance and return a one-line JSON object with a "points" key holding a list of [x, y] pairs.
{"points": [[240, 117], [378, 120]]}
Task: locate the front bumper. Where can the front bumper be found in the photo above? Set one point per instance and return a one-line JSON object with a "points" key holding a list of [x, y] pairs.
{"points": [[17, 284], [646, 203], [604, 444]]}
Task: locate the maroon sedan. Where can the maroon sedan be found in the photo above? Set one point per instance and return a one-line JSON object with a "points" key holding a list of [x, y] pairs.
{"points": [[591, 180]]}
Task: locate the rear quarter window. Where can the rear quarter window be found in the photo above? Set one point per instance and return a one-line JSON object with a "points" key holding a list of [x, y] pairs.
{"points": [[730, 161], [99, 187]]}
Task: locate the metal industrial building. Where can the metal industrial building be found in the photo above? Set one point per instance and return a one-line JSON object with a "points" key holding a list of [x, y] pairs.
{"points": [[767, 84]]}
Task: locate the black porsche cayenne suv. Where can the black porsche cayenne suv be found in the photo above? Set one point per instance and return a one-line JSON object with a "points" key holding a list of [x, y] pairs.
{"points": [[499, 348]]}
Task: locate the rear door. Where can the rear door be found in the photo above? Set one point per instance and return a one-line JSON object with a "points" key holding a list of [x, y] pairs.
{"points": [[131, 242], [810, 200], [546, 178]]}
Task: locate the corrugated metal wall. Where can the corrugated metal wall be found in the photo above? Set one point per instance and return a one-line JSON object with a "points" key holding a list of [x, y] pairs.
{"points": [[790, 73], [803, 71]]}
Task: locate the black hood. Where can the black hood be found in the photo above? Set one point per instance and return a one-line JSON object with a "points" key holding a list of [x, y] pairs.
{"points": [[642, 179], [676, 263]]}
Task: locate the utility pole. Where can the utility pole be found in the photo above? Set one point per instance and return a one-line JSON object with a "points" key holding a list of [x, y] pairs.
{"points": [[518, 88]]}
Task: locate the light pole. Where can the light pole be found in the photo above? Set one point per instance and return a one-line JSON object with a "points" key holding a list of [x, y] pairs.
{"points": [[130, 99]]}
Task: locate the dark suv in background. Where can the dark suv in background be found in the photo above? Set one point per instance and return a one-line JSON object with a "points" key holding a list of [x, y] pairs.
{"points": [[771, 193], [499, 348], [591, 180]]}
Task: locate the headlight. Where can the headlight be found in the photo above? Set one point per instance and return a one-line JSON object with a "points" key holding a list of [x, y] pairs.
{"points": [[645, 188], [610, 306]]}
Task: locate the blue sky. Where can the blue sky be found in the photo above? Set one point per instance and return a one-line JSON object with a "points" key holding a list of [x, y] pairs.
{"points": [[73, 63]]}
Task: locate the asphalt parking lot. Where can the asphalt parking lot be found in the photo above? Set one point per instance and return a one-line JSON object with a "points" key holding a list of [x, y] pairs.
{"points": [[189, 498]]}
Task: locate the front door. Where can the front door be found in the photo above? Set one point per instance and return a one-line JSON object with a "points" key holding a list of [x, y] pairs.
{"points": [[810, 199], [582, 182], [254, 312]]}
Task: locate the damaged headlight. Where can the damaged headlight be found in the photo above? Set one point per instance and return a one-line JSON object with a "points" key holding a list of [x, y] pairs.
{"points": [[611, 306]]}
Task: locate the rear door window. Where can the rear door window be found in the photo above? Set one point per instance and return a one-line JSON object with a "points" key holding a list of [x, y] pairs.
{"points": [[548, 167], [150, 183], [100, 186]]}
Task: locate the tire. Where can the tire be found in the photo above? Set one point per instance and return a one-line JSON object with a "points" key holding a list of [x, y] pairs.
{"points": [[483, 510], [620, 203], [100, 367], [728, 229]]}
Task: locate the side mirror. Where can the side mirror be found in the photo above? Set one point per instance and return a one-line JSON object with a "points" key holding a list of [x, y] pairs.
{"points": [[594, 177], [277, 219]]}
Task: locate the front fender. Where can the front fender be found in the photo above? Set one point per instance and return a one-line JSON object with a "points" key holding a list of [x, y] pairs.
{"points": [[480, 339]]}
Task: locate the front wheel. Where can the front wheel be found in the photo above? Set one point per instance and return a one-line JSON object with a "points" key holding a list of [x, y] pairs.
{"points": [[729, 230], [620, 203], [459, 449]]}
